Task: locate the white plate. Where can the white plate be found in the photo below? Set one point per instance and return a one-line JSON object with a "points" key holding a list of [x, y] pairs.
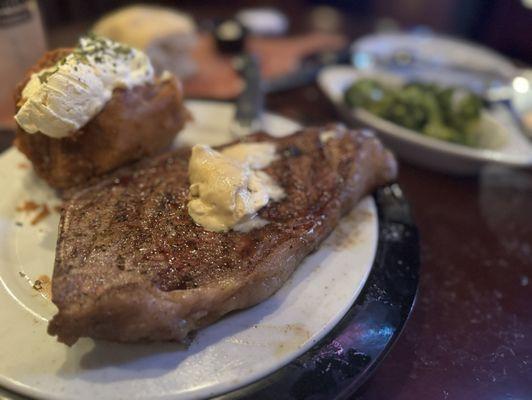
{"points": [[237, 350], [425, 151], [439, 52]]}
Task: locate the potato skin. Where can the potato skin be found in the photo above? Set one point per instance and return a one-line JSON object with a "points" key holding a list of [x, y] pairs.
{"points": [[135, 123]]}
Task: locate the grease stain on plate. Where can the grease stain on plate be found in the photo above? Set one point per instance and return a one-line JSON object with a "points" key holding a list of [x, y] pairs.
{"points": [[348, 233], [295, 336]]}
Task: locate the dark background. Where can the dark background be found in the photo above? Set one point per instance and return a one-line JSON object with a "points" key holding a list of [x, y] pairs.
{"points": [[505, 25]]}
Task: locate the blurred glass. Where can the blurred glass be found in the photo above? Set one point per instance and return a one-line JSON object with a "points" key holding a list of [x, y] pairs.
{"points": [[22, 42]]}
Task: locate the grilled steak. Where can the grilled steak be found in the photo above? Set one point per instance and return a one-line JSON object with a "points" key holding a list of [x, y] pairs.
{"points": [[131, 265]]}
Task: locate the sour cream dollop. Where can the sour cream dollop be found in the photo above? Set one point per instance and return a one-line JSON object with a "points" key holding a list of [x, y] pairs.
{"points": [[59, 100], [228, 188]]}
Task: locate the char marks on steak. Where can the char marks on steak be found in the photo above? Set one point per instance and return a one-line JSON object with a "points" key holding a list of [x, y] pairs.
{"points": [[131, 265]]}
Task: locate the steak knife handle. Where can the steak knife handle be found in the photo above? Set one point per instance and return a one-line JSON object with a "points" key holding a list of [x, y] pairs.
{"points": [[250, 103]]}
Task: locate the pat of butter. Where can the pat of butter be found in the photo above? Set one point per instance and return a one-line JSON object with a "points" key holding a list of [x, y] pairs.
{"points": [[228, 189], [61, 99]]}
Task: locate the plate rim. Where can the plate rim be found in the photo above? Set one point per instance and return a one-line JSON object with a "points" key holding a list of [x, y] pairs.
{"points": [[441, 37]]}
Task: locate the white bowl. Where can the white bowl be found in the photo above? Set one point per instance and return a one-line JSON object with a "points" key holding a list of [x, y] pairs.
{"points": [[502, 141]]}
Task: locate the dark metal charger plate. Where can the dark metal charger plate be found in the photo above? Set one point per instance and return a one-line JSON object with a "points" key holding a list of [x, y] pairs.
{"points": [[342, 361]]}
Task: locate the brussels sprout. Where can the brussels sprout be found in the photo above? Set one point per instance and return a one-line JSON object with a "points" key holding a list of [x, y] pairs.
{"points": [[365, 92], [466, 108], [439, 131]]}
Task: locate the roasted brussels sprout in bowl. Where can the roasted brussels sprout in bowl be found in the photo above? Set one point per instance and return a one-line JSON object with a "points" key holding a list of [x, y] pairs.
{"points": [[439, 127]]}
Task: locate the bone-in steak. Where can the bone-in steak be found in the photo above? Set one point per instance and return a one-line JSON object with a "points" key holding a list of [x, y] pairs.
{"points": [[131, 265]]}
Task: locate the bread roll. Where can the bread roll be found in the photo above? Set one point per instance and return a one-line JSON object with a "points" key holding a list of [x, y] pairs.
{"points": [[166, 35]]}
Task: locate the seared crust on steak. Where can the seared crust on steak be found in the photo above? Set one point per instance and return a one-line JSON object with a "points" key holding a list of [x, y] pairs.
{"points": [[134, 123], [131, 265]]}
